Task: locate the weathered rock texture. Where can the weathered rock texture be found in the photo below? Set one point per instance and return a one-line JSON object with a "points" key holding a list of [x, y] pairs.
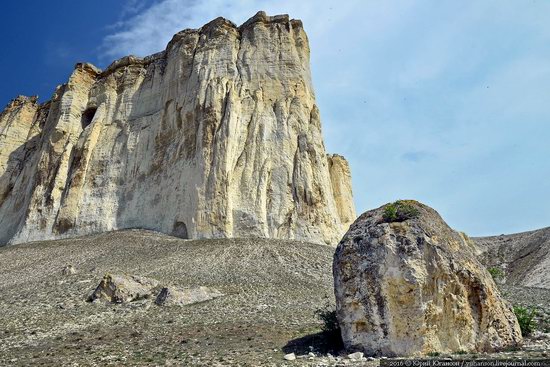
{"points": [[123, 288], [414, 287], [217, 136], [172, 296], [340, 177], [524, 258]]}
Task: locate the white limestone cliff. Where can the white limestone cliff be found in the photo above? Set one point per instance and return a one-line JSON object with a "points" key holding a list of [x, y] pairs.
{"points": [[217, 136]]}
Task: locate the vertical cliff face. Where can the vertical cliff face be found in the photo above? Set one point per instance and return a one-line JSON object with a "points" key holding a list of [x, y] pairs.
{"points": [[217, 136], [340, 177]]}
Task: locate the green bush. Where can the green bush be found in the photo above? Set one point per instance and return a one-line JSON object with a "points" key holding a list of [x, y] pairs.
{"points": [[331, 329], [400, 211], [526, 319], [390, 213], [496, 273], [330, 322]]}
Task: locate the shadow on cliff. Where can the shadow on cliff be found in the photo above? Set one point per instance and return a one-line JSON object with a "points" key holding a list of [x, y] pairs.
{"points": [[322, 343], [10, 181]]}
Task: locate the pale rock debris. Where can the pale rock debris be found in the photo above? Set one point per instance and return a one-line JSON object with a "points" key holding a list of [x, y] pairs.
{"points": [[68, 270], [290, 357], [172, 296], [120, 288]]}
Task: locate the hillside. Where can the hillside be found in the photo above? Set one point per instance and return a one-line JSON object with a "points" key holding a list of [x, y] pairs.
{"points": [[523, 257], [272, 289]]}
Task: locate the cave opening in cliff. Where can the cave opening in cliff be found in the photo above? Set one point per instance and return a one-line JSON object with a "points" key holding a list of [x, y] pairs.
{"points": [[87, 117], [180, 230]]}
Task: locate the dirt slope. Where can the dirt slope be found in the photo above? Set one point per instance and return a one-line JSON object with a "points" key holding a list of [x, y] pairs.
{"points": [[272, 288], [524, 257]]}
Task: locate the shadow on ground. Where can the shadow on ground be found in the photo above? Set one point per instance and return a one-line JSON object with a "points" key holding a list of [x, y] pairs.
{"points": [[321, 343]]}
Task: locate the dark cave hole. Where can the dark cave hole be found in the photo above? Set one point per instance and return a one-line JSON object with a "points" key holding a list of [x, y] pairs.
{"points": [[87, 117], [180, 230]]}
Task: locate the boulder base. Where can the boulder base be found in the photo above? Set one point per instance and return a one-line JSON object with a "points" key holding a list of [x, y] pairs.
{"points": [[414, 286]]}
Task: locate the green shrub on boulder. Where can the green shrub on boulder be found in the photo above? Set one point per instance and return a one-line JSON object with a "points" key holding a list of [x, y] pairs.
{"points": [[400, 211]]}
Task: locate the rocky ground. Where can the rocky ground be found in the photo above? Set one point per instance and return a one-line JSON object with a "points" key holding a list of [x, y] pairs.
{"points": [[272, 289], [523, 258]]}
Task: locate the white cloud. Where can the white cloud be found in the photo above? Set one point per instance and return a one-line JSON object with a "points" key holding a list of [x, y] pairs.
{"points": [[406, 81], [150, 30]]}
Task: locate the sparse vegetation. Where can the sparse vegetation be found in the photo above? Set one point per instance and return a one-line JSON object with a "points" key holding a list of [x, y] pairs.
{"points": [[434, 354], [331, 328], [330, 322], [526, 319], [496, 273], [400, 211]]}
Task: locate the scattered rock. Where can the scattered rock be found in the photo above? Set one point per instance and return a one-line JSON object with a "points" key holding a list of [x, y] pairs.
{"points": [[290, 357], [523, 258], [414, 287], [172, 296], [123, 288], [68, 270], [357, 356]]}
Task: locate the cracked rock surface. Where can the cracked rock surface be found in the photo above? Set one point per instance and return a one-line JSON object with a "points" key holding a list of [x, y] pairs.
{"points": [[123, 288], [415, 287], [217, 136]]}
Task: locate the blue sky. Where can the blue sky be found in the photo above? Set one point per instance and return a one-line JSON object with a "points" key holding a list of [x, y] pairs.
{"points": [[446, 102]]}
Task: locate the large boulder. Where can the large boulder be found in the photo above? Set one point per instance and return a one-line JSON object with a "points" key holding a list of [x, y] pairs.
{"points": [[406, 284], [172, 296], [124, 288]]}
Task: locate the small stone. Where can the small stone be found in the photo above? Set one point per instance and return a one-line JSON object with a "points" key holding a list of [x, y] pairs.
{"points": [[311, 354], [357, 356], [290, 357], [68, 270]]}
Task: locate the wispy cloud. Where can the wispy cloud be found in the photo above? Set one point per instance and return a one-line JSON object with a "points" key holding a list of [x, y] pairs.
{"points": [[417, 156], [150, 30], [446, 102]]}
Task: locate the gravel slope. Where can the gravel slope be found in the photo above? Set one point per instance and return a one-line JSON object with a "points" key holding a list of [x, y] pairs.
{"points": [[272, 291], [272, 287], [523, 257]]}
